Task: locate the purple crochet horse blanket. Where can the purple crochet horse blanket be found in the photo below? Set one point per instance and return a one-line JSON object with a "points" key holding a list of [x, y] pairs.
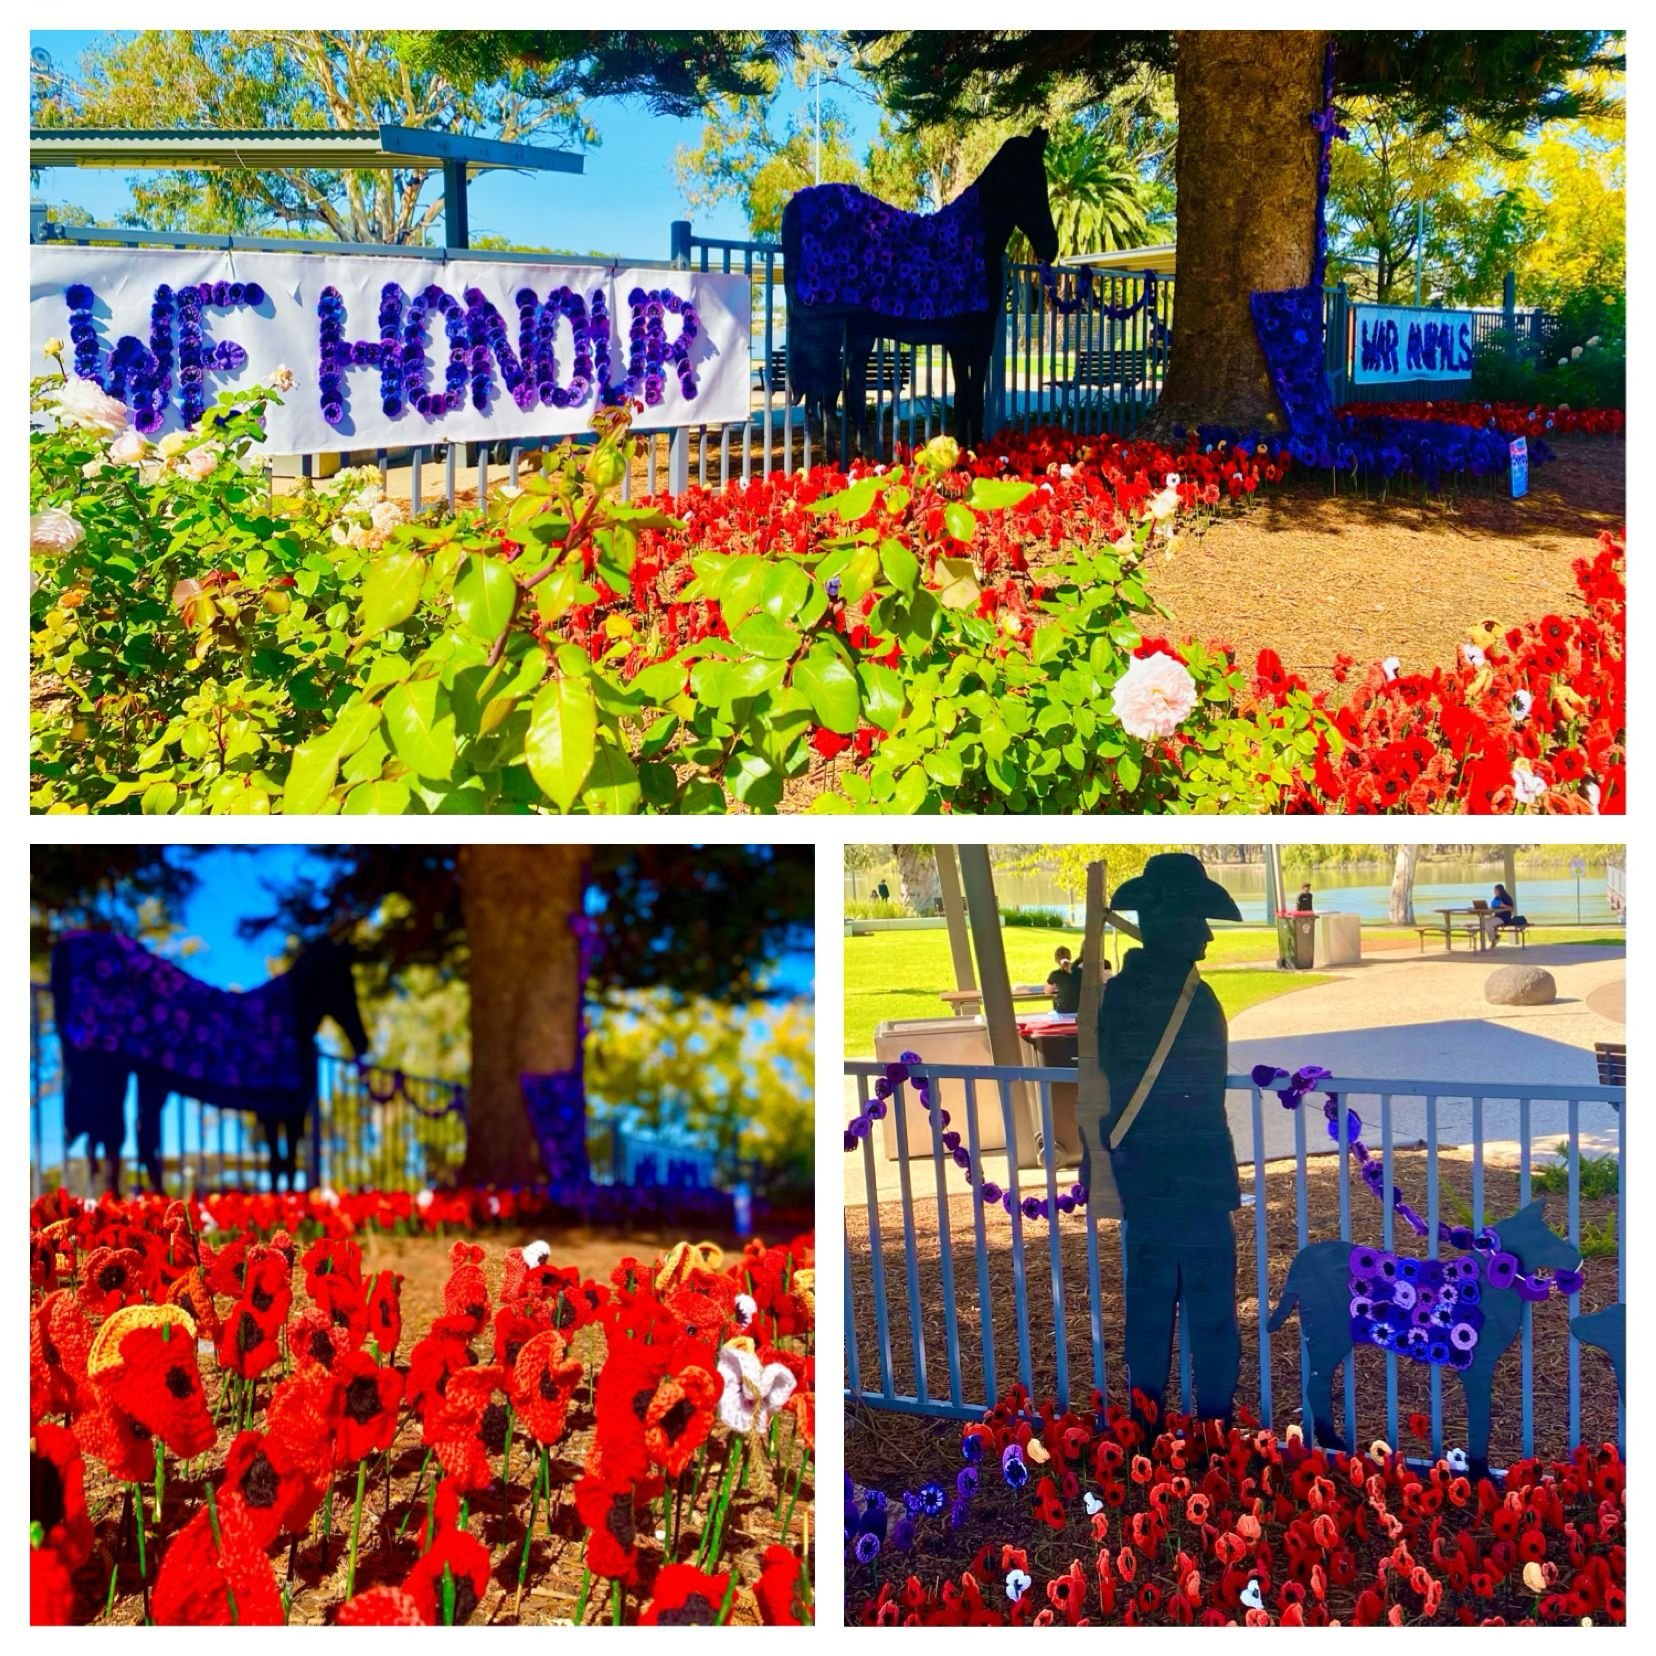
{"points": [[856, 250], [125, 1001]]}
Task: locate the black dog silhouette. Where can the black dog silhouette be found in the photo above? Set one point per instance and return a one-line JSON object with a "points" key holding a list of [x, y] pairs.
{"points": [[1318, 1284], [1606, 1329]]}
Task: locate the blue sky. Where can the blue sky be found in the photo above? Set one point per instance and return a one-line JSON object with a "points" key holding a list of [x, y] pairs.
{"points": [[622, 204]]}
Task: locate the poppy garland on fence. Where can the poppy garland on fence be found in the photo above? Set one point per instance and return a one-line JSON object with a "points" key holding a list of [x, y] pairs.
{"points": [[228, 1417]]}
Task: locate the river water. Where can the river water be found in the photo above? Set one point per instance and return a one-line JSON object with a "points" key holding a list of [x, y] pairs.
{"points": [[1548, 896]]}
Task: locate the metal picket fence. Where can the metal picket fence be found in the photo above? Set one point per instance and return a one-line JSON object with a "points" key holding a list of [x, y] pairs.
{"points": [[888, 1292], [372, 1127]]}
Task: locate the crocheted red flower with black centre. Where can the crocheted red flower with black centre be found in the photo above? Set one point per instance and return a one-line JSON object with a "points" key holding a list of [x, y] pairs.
{"points": [[606, 1506], [111, 1278], [247, 1343], [277, 1494], [366, 1400], [626, 1387], [468, 1432], [679, 1417], [198, 1576], [381, 1607], [684, 1596], [157, 1384], [543, 1384], [57, 1494], [777, 1586]]}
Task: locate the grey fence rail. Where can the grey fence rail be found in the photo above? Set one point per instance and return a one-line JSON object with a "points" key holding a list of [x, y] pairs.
{"points": [[372, 1127], [907, 1265]]}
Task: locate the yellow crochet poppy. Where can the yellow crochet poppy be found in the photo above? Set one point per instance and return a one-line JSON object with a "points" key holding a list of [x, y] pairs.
{"points": [[106, 1343]]}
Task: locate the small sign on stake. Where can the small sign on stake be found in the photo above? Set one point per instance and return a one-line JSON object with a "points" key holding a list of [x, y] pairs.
{"points": [[1520, 466]]}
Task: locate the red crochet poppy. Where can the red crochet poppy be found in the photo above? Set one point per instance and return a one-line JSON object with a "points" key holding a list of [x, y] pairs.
{"points": [[51, 1592], [299, 1421], [197, 1577], [435, 1357], [778, 1585], [366, 1400], [330, 1260], [513, 1330], [607, 1508], [277, 1494], [466, 1293], [385, 1312], [684, 1596], [111, 1278], [247, 1343], [189, 1289], [107, 1433], [60, 1338], [267, 1284], [543, 1383], [468, 1432], [57, 1495], [381, 1607], [157, 1384], [317, 1336], [462, 1555], [679, 1418], [626, 1386]]}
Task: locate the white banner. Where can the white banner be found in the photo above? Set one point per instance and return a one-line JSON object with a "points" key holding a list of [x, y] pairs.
{"points": [[1398, 342], [391, 353]]}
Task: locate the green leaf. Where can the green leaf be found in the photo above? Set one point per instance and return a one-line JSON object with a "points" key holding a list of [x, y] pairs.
{"points": [[310, 777], [485, 596], [159, 799], [944, 767], [556, 593], [882, 694], [381, 798], [563, 734], [850, 504], [1127, 772], [991, 494], [960, 589], [420, 725], [1048, 642], [901, 566], [738, 588], [754, 780], [390, 591], [786, 588], [660, 682], [354, 724], [911, 791], [831, 688], [764, 635], [960, 520], [612, 787], [897, 499]]}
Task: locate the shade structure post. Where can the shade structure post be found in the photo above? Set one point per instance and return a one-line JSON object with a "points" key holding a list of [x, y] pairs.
{"points": [[954, 915]]}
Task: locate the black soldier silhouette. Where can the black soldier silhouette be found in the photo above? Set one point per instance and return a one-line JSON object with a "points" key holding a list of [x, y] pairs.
{"points": [[1158, 1154]]}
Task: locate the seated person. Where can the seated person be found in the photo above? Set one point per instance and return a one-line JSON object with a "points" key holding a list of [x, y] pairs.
{"points": [[1504, 910], [1064, 983]]}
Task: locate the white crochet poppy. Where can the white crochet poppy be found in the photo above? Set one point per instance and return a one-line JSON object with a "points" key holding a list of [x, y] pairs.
{"points": [[752, 1392]]}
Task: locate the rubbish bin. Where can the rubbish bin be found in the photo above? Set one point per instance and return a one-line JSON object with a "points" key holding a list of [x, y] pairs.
{"points": [[1052, 1047], [1305, 942], [1296, 940]]}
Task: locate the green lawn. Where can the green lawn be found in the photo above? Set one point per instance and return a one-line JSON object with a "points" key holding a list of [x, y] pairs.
{"points": [[900, 974]]}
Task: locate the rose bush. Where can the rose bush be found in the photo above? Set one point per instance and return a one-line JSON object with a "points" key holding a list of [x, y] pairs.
{"points": [[953, 633]]}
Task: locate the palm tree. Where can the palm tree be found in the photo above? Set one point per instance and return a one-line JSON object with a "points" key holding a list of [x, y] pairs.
{"points": [[1098, 200]]}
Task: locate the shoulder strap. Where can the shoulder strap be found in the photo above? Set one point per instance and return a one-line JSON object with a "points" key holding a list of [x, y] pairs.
{"points": [[1159, 1057], [1092, 1094]]}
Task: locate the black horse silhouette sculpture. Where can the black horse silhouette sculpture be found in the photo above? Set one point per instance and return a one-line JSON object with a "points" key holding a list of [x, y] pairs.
{"points": [[122, 1011], [857, 270], [1320, 1283], [1606, 1329]]}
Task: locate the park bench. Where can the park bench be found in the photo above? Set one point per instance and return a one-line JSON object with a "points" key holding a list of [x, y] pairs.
{"points": [[888, 371], [1124, 370]]}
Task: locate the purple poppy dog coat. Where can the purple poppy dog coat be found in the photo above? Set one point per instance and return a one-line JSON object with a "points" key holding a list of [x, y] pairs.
{"points": [[1423, 1309]]}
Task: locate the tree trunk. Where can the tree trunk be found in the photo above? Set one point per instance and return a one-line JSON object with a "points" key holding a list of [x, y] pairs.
{"points": [[1246, 175], [917, 878], [1400, 908], [526, 993]]}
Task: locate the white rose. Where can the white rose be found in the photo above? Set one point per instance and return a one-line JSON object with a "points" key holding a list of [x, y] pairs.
{"points": [[386, 515], [173, 445], [87, 405], [1575, 351], [53, 533], [1593, 341], [282, 379], [128, 449], [1563, 362], [199, 462], [1153, 697], [53, 347]]}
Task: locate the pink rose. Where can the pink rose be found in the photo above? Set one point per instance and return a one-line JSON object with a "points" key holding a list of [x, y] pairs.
{"points": [[1153, 697]]}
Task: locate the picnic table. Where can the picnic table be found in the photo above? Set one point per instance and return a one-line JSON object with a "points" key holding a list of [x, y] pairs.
{"points": [[964, 1002], [1479, 932]]}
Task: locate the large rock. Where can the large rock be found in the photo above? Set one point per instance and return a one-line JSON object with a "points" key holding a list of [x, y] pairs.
{"points": [[1521, 986]]}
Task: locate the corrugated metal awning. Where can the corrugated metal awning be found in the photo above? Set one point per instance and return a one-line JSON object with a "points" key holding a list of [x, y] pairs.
{"points": [[385, 148], [1128, 259]]}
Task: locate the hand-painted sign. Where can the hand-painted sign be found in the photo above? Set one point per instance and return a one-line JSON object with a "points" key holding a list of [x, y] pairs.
{"points": [[1396, 343], [1520, 466], [388, 352]]}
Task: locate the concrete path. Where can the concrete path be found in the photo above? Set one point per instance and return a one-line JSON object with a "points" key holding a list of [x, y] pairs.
{"points": [[1401, 1017]]}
